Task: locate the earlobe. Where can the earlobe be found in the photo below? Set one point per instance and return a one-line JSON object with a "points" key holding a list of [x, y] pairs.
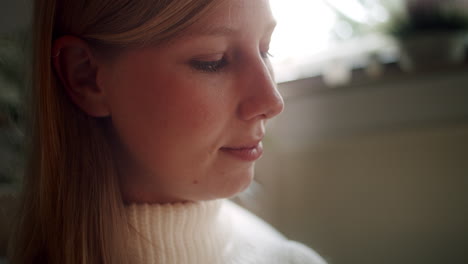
{"points": [[76, 68]]}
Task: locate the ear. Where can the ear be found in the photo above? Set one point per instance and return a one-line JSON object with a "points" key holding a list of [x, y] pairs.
{"points": [[77, 68]]}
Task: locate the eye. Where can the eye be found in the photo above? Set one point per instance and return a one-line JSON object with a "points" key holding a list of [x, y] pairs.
{"points": [[209, 66], [266, 55]]}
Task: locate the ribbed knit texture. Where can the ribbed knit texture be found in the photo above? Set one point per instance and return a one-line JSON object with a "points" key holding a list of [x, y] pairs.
{"points": [[176, 233], [210, 232]]}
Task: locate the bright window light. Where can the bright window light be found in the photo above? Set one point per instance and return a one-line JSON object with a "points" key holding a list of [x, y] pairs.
{"points": [[303, 28], [302, 42]]}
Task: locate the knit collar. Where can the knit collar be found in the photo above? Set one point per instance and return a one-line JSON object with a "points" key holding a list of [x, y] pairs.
{"points": [[190, 232]]}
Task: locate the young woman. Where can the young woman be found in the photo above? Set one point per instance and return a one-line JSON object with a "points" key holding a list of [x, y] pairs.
{"points": [[146, 115]]}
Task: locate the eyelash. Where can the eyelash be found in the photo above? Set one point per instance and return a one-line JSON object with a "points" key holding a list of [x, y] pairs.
{"points": [[266, 55], [216, 66], [209, 66]]}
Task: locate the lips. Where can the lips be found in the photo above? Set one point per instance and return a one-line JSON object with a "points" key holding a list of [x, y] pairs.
{"points": [[245, 152], [245, 146]]}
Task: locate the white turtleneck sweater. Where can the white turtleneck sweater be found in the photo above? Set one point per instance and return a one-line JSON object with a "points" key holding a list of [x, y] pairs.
{"points": [[210, 232]]}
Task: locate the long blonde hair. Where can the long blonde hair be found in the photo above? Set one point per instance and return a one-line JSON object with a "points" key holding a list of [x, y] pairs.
{"points": [[71, 207]]}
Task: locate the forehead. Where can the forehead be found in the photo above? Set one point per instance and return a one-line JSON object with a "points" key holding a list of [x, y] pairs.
{"points": [[237, 15]]}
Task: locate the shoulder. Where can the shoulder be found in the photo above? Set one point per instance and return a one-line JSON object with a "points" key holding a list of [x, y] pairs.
{"points": [[264, 243], [246, 222], [298, 253]]}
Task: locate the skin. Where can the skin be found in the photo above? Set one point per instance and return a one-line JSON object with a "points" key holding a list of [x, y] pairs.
{"points": [[174, 106]]}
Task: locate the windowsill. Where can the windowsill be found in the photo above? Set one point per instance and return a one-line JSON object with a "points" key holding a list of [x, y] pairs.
{"points": [[316, 112], [360, 79], [356, 63]]}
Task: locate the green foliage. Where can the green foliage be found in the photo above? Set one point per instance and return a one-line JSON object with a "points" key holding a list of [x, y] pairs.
{"points": [[406, 18], [376, 13], [427, 20]]}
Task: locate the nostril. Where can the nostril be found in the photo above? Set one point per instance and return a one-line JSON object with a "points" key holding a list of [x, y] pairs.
{"points": [[277, 106], [262, 105]]}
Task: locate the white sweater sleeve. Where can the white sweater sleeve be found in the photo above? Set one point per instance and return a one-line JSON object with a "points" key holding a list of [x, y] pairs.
{"points": [[267, 244], [300, 254]]}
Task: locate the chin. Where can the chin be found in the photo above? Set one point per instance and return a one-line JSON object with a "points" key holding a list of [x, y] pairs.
{"points": [[236, 184]]}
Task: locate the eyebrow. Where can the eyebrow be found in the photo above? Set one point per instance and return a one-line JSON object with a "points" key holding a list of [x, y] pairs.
{"points": [[226, 31]]}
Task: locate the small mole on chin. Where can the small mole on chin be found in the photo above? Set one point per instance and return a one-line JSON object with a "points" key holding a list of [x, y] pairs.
{"points": [[195, 182]]}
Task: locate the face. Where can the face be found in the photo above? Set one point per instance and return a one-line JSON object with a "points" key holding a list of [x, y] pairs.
{"points": [[190, 115]]}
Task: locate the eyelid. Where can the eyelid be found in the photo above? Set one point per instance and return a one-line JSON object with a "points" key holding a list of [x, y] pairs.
{"points": [[267, 54], [265, 51], [209, 66], [209, 57], [214, 63]]}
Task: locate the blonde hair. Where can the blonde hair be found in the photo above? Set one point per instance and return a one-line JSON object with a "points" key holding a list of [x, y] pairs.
{"points": [[71, 204]]}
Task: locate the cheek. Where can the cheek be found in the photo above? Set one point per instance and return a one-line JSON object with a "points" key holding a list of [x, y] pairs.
{"points": [[157, 114]]}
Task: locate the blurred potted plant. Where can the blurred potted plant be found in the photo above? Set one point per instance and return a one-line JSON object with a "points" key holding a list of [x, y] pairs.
{"points": [[430, 33]]}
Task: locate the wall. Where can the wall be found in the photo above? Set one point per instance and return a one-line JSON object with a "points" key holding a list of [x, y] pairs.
{"points": [[372, 172]]}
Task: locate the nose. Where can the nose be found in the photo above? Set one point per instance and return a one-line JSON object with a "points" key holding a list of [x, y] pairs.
{"points": [[261, 96]]}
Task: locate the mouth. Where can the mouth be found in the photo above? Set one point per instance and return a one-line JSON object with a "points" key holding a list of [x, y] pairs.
{"points": [[245, 152], [246, 144]]}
